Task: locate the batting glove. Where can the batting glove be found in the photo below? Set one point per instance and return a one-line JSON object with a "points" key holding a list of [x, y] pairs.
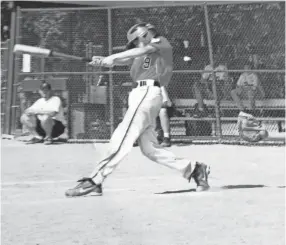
{"points": [[96, 61]]}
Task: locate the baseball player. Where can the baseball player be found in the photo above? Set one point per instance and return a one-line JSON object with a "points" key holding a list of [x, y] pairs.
{"points": [[149, 58]]}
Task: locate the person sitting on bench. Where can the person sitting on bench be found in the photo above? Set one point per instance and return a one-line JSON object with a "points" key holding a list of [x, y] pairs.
{"points": [[248, 87]]}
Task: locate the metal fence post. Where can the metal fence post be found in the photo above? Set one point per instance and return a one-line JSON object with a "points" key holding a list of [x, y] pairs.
{"points": [[111, 99], [217, 107], [4, 80], [10, 73], [16, 107]]}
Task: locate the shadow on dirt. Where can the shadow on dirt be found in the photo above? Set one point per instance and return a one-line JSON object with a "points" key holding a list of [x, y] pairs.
{"points": [[226, 187], [230, 187], [176, 192]]}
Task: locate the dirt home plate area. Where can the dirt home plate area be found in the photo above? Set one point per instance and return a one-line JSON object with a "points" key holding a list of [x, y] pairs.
{"points": [[143, 203]]}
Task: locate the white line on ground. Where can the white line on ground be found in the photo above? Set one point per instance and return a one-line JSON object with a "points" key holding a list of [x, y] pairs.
{"points": [[139, 195], [36, 182], [42, 182]]}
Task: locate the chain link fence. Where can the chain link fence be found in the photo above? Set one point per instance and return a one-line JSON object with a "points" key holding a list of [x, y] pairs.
{"points": [[246, 41], [4, 79]]}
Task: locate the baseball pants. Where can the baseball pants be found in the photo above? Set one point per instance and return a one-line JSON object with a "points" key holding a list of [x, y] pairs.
{"points": [[139, 123]]}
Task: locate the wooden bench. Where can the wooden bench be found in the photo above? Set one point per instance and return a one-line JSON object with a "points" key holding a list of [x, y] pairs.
{"points": [[268, 104], [186, 107]]}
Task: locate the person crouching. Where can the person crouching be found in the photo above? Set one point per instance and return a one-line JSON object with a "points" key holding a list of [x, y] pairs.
{"points": [[44, 119]]}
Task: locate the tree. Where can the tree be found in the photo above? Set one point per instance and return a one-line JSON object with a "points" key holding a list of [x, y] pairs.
{"points": [[251, 28], [247, 28]]}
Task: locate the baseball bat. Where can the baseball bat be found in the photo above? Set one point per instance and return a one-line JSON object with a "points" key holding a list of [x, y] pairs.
{"points": [[43, 52]]}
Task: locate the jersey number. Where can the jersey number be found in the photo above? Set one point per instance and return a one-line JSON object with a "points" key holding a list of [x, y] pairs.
{"points": [[147, 63]]}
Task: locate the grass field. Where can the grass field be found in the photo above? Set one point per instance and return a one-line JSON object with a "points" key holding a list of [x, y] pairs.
{"points": [[143, 203]]}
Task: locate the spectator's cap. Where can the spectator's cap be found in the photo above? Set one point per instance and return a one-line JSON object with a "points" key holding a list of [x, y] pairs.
{"points": [[136, 31], [45, 86]]}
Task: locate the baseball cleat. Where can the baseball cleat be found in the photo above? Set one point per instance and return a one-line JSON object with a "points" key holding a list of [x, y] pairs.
{"points": [[86, 186], [200, 175], [35, 140], [166, 142], [48, 141]]}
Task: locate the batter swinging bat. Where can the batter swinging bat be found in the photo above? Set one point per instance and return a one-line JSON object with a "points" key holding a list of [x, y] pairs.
{"points": [[43, 52]]}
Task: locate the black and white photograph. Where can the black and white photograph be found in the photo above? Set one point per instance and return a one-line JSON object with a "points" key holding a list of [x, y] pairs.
{"points": [[143, 123]]}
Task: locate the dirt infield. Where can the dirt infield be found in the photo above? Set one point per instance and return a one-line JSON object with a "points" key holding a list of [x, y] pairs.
{"points": [[143, 203]]}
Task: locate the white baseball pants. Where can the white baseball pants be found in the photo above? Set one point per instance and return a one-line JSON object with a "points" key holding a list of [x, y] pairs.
{"points": [[139, 123]]}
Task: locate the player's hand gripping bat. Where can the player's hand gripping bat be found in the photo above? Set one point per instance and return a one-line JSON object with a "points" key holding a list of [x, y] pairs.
{"points": [[43, 52]]}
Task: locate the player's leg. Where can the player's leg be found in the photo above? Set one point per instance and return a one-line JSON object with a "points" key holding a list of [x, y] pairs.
{"points": [[159, 130], [93, 184], [135, 121], [108, 165], [32, 124], [164, 117], [149, 147], [165, 123], [119, 146]]}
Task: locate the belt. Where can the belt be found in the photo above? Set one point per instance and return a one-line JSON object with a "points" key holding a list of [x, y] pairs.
{"points": [[148, 82]]}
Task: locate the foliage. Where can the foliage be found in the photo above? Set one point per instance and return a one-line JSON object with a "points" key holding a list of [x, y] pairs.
{"points": [[239, 29]]}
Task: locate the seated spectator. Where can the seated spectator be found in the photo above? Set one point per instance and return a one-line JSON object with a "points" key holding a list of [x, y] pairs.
{"points": [[203, 90], [44, 119], [203, 87], [248, 87]]}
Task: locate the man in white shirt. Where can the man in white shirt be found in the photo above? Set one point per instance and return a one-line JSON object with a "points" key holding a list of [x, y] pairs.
{"points": [[248, 86], [45, 118]]}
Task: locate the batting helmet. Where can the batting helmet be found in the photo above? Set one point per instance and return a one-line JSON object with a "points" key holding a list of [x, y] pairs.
{"points": [[136, 31], [150, 26]]}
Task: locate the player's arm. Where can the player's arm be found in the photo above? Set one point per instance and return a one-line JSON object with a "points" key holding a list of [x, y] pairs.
{"points": [[124, 62], [134, 53], [129, 54]]}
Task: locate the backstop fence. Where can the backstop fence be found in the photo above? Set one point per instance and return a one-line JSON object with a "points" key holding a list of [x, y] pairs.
{"points": [[227, 57], [4, 79]]}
